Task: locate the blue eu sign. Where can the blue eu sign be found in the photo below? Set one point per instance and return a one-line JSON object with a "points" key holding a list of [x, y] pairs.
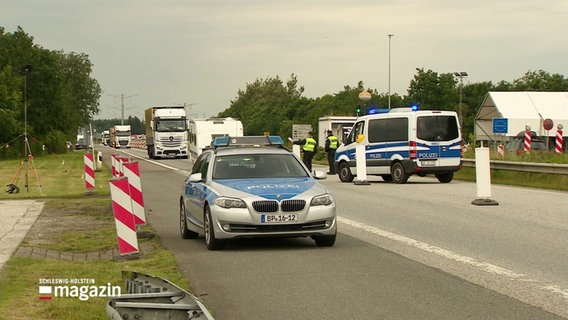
{"points": [[500, 125]]}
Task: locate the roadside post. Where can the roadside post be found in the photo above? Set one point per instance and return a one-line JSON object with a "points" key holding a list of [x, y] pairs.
{"points": [[132, 173], [528, 139], [483, 178], [361, 162], [123, 216], [89, 172], [559, 139]]}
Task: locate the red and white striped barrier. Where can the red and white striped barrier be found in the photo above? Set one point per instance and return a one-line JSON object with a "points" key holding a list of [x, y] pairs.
{"points": [[528, 140], [123, 216], [138, 143], [117, 162], [501, 150], [132, 172], [89, 171], [559, 141]]}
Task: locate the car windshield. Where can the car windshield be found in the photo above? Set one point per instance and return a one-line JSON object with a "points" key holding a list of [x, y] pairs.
{"points": [[245, 166]]}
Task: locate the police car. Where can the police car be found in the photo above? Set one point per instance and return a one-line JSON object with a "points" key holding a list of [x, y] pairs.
{"points": [[244, 187]]}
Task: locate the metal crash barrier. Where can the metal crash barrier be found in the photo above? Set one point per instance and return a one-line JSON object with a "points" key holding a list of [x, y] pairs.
{"points": [[151, 298]]}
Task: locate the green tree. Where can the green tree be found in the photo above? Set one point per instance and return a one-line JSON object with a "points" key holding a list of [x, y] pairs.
{"points": [[433, 91], [45, 93]]}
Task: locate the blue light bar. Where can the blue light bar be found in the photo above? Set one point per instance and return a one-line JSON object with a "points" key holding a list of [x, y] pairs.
{"points": [[247, 141]]}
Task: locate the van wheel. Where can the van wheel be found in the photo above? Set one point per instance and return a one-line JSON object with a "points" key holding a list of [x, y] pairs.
{"points": [[345, 173], [445, 177], [398, 173]]}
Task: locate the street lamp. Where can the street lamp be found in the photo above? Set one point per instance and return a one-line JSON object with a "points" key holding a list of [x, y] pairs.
{"points": [[390, 36], [460, 75]]}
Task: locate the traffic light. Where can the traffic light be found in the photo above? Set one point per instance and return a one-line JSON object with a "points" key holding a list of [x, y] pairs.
{"points": [[358, 110]]}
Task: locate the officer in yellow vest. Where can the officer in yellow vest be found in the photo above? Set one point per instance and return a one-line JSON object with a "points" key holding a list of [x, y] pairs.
{"points": [[331, 144], [309, 147]]}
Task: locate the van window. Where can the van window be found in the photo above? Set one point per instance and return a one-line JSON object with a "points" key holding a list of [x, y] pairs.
{"points": [[388, 130], [437, 128], [355, 131]]}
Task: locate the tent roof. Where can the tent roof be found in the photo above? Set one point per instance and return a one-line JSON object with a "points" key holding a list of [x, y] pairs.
{"points": [[521, 108], [525, 105]]}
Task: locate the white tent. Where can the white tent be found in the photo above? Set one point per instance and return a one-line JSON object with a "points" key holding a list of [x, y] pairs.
{"points": [[521, 109]]}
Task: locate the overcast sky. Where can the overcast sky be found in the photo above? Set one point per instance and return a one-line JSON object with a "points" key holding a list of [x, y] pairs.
{"points": [[201, 52]]}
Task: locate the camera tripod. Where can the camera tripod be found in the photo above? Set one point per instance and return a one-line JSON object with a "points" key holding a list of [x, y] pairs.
{"points": [[28, 158]]}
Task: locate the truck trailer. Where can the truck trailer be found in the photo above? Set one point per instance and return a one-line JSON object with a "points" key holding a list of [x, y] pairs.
{"points": [[166, 131], [203, 131]]}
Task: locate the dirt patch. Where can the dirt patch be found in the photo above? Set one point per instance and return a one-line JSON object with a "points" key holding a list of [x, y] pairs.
{"points": [[64, 216]]}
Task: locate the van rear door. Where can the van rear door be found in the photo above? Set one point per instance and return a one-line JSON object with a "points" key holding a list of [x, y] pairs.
{"points": [[438, 140]]}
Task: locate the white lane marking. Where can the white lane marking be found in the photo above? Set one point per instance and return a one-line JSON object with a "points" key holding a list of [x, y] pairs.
{"points": [[183, 172], [488, 267], [433, 249]]}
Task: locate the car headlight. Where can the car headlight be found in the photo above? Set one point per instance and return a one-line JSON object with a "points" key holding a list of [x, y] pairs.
{"points": [[322, 200], [230, 203]]}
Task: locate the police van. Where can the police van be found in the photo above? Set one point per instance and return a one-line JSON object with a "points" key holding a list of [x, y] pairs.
{"points": [[403, 142]]}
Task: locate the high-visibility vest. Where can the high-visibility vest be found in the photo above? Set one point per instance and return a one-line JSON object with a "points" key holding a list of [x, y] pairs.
{"points": [[310, 145], [332, 142]]}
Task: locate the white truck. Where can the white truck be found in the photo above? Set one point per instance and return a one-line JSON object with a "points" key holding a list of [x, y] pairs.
{"points": [[121, 136], [105, 139], [166, 131], [203, 131]]}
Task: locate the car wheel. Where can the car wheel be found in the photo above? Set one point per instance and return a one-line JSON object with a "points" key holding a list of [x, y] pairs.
{"points": [[185, 232], [212, 242], [445, 177], [345, 173], [325, 241], [398, 173]]}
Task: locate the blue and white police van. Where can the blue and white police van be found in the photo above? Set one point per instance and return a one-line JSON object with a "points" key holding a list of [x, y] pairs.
{"points": [[253, 187], [403, 142]]}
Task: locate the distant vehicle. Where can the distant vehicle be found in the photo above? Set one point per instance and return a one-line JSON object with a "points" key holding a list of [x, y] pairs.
{"points": [[203, 131], [80, 143], [106, 138], [403, 142], [121, 136], [166, 131], [517, 144], [69, 145], [246, 187]]}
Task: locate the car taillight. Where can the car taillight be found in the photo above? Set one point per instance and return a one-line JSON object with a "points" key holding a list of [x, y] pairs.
{"points": [[412, 150]]}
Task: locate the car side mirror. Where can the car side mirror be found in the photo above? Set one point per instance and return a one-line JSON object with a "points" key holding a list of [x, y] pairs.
{"points": [[196, 177]]}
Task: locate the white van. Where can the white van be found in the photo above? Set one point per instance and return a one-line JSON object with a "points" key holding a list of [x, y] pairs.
{"points": [[403, 142]]}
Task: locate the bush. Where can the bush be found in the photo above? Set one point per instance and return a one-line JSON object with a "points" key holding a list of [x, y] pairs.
{"points": [[55, 142]]}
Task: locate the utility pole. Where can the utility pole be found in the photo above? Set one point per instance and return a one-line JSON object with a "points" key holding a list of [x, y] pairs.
{"points": [[122, 97], [460, 75], [390, 36]]}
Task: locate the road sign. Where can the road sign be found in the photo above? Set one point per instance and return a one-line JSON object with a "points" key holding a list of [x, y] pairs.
{"points": [[300, 131], [500, 125], [548, 124]]}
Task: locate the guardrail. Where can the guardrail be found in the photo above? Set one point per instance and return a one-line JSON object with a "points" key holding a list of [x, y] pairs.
{"points": [[552, 168]]}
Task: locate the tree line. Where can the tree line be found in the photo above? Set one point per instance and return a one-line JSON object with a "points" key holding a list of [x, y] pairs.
{"points": [[45, 95], [273, 105]]}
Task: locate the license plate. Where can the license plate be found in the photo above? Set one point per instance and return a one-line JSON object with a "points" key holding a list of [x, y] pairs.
{"points": [[278, 218], [428, 163]]}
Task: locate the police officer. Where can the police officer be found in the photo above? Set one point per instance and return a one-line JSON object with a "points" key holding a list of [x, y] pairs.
{"points": [[331, 144], [309, 146]]}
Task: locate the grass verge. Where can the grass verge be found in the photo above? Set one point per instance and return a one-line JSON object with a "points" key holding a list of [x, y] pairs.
{"points": [[72, 222]]}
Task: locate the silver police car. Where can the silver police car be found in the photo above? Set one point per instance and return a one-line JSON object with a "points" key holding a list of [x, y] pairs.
{"points": [[245, 187]]}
